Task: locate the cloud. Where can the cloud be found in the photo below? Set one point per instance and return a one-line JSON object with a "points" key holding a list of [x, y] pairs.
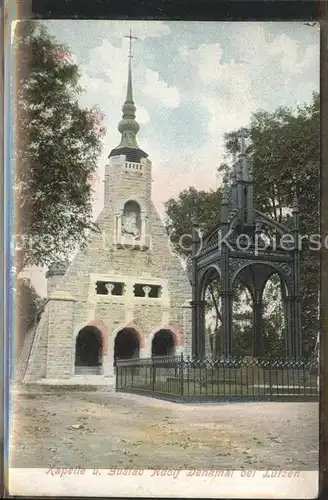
{"points": [[207, 59], [263, 66], [142, 115], [109, 63], [160, 91], [292, 59]]}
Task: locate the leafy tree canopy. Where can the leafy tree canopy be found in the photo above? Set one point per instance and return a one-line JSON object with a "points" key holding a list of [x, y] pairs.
{"points": [[179, 214], [56, 151]]}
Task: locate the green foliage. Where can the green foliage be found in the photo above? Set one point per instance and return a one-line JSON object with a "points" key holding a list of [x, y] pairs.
{"points": [[179, 215], [57, 147]]}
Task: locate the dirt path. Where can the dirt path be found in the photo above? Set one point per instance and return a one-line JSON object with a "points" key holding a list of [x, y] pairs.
{"points": [[128, 431]]}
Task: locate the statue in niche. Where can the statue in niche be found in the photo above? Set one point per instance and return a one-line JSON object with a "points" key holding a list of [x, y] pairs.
{"points": [[130, 226], [131, 221]]}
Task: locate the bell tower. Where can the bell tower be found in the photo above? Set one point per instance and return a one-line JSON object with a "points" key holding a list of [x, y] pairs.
{"points": [[128, 177]]}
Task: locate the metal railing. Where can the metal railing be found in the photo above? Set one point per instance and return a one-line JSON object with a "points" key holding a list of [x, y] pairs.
{"points": [[184, 377]]}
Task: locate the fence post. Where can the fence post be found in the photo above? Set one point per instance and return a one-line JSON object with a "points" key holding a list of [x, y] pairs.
{"points": [[181, 374]]}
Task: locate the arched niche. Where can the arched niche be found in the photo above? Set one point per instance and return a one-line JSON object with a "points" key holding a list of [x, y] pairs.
{"points": [[127, 344], [131, 221], [163, 343], [88, 351]]}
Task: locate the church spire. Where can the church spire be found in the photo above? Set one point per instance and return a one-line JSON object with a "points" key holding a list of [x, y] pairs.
{"points": [[128, 126]]}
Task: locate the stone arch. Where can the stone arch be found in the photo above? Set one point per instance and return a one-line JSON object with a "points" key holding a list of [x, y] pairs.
{"points": [[177, 334], [126, 344], [132, 203], [163, 343], [88, 351], [138, 330], [104, 333]]}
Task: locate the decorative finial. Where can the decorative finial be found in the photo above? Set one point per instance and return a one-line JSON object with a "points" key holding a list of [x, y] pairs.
{"points": [[225, 189], [242, 135], [295, 208], [130, 38], [195, 212], [128, 126]]}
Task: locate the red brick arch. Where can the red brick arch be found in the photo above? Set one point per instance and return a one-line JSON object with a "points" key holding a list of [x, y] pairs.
{"points": [[177, 333], [138, 331], [100, 325]]}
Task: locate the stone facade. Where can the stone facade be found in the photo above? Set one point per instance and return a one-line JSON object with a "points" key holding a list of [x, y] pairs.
{"points": [[123, 289], [114, 259]]}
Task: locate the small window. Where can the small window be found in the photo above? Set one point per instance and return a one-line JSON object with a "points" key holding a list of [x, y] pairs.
{"points": [[149, 291], [109, 288]]}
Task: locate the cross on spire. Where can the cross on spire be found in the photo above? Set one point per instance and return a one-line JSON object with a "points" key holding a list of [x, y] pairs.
{"points": [[130, 38], [242, 135]]}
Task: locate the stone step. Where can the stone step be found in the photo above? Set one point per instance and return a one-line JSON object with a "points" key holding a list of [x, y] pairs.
{"points": [[88, 370]]}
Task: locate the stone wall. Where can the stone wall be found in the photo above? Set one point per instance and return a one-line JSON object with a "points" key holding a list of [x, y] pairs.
{"points": [[37, 362], [60, 355]]}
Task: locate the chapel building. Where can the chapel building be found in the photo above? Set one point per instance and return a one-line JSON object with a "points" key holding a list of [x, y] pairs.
{"points": [[125, 295]]}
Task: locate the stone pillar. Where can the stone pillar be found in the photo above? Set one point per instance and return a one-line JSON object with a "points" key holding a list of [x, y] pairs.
{"points": [[145, 352], [258, 341], [297, 351], [195, 292], [226, 338], [194, 347], [208, 350], [108, 361], [296, 278], [250, 201], [143, 228], [187, 327], [129, 301], [226, 299], [118, 226], [201, 328], [60, 334], [287, 306]]}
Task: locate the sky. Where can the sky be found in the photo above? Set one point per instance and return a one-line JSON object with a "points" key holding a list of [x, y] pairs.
{"points": [[192, 83]]}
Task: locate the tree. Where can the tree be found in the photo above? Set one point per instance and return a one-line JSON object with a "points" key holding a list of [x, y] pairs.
{"points": [[57, 147], [179, 215]]}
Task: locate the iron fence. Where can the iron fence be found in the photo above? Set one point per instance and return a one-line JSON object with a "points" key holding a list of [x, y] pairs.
{"points": [[186, 378]]}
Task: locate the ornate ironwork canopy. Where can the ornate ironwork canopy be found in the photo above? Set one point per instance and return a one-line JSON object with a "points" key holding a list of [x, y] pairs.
{"points": [[249, 246]]}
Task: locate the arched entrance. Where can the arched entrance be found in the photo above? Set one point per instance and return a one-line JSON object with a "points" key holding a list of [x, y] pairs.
{"points": [[88, 351], [127, 344], [163, 344]]}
